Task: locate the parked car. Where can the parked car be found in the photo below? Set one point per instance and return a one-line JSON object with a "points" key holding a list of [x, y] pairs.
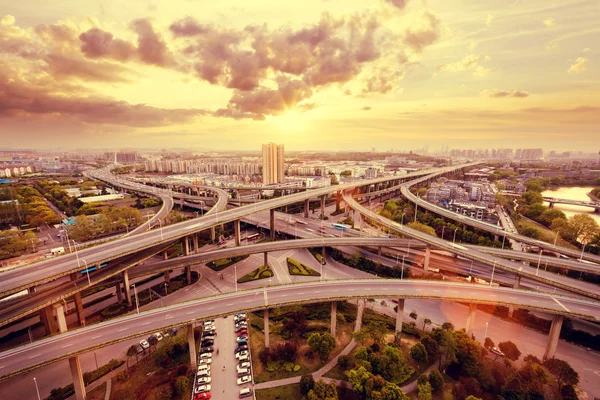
{"points": [[208, 349], [243, 358], [205, 361], [158, 336], [243, 338], [152, 340], [242, 327], [205, 355], [244, 364], [207, 343], [202, 396], [204, 372], [202, 388], [244, 379], [241, 341], [241, 348], [243, 371], [245, 392], [242, 332], [497, 351], [241, 354], [203, 367], [203, 379], [144, 344]]}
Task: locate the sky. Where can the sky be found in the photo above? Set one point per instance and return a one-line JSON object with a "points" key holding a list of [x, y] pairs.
{"points": [[313, 75]]}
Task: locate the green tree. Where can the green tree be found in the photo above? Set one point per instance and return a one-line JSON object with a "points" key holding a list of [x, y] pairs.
{"points": [[510, 350], [471, 397], [436, 380], [323, 391], [531, 232], [488, 343], [181, 385], [422, 228], [131, 351], [548, 216], [424, 391], [358, 378], [426, 322], [307, 382], [413, 315], [391, 366], [584, 227], [530, 197], [322, 343], [419, 353], [562, 371]]}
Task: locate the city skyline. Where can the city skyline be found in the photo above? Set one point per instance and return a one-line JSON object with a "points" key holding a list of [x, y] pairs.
{"points": [[338, 76]]}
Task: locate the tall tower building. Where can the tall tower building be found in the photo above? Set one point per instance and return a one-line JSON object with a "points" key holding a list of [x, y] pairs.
{"points": [[272, 158]]}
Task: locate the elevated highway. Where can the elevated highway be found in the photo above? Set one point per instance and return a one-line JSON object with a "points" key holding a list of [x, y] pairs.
{"points": [[552, 201], [69, 344]]}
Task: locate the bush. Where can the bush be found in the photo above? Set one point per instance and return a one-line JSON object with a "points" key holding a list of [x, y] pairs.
{"points": [[288, 366], [89, 377], [112, 311], [344, 362], [307, 383], [181, 385], [436, 380], [297, 368]]}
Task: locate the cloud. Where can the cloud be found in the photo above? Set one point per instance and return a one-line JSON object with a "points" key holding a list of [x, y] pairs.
{"points": [[62, 66], [470, 62], [580, 65], [383, 80], [587, 50], [187, 27], [549, 22], [97, 43], [258, 103], [397, 3], [489, 19], [425, 30], [366, 108], [152, 49], [495, 93]]}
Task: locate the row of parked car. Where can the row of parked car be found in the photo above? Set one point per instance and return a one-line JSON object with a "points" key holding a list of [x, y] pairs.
{"points": [[202, 385], [242, 354], [155, 338]]}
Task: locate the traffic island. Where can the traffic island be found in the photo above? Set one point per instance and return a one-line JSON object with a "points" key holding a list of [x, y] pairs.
{"points": [[295, 267], [262, 272], [223, 263]]}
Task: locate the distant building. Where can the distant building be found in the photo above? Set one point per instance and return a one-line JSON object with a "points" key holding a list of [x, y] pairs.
{"points": [[127, 156], [272, 160]]}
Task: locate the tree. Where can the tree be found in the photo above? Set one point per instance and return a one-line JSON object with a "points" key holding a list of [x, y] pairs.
{"points": [[426, 322], [424, 391], [471, 397], [421, 228], [550, 215], [530, 358], [390, 365], [448, 326], [584, 227], [436, 380], [419, 353], [322, 343], [307, 382], [510, 350], [562, 371], [488, 343], [531, 232], [357, 378], [181, 385], [131, 351], [323, 391], [530, 197], [413, 315]]}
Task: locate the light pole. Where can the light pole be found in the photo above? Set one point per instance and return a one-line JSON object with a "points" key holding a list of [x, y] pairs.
{"points": [[96, 358], [454, 238], [443, 228], [408, 248], [36, 388], [235, 276], [166, 288], [126, 227], [555, 237], [402, 271], [137, 304], [581, 257], [161, 231], [486, 331], [538, 265], [471, 268], [503, 239], [87, 270], [493, 269], [416, 207]]}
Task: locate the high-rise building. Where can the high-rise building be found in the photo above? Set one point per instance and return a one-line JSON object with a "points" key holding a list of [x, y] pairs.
{"points": [[272, 159]]}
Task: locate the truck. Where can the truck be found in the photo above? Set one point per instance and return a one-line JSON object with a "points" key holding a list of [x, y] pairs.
{"points": [[57, 251]]}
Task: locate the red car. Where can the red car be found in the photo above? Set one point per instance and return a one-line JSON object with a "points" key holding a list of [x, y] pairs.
{"points": [[242, 332], [202, 396]]}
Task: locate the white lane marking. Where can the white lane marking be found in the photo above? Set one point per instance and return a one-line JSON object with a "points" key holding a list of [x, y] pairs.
{"points": [[419, 290], [512, 298], [121, 330], [147, 323], [299, 293], [247, 301], [37, 355], [230, 304], [436, 290], [318, 291], [168, 317], [67, 345], [381, 289], [454, 291], [584, 309], [210, 308], [535, 301], [285, 295], [1, 366], [561, 304], [351, 290], [96, 337], [189, 313]]}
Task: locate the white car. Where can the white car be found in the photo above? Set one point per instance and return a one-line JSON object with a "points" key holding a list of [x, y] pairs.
{"points": [[202, 389], [242, 366], [144, 343], [203, 380], [497, 351], [206, 355], [205, 361], [242, 354], [242, 358], [244, 379], [204, 372], [203, 367]]}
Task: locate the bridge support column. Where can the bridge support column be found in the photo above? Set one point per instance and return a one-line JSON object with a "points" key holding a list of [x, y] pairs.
{"points": [[266, 262], [379, 251], [167, 276], [31, 289], [266, 326], [359, 314], [119, 293], [306, 207], [77, 376], [471, 318], [192, 346], [188, 275], [165, 255], [553, 337], [47, 318], [196, 246], [333, 317], [323, 252], [236, 229], [338, 201], [61, 321], [550, 205], [185, 245], [127, 288], [78, 303], [323, 206], [399, 319], [272, 223], [213, 234], [427, 257]]}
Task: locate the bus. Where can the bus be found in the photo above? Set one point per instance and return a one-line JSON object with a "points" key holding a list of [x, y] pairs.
{"points": [[254, 236], [341, 226], [92, 268]]}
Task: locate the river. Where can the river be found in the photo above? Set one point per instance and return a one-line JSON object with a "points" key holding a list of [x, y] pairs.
{"points": [[572, 193]]}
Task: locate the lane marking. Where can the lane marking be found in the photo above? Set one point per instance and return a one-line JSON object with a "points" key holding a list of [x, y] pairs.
{"points": [[67, 345], [584, 309], [436, 290], [121, 330], [230, 304], [561, 304], [189, 313], [147, 323], [96, 337], [37, 355]]}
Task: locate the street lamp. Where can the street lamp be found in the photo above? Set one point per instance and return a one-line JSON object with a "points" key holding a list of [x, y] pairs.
{"points": [[581, 257], [454, 238], [166, 288], [443, 228], [402, 272], [416, 207], [555, 237], [137, 304], [36, 388], [503, 239], [538, 265], [87, 270], [408, 248], [486, 331], [493, 269], [235, 276]]}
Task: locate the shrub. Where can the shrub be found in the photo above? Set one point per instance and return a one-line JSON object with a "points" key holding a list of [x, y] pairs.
{"points": [[288, 366], [307, 383], [273, 366], [297, 368], [181, 385], [436, 380]]}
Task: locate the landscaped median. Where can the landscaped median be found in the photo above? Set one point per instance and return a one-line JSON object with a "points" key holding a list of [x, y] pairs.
{"points": [[223, 263], [262, 272], [295, 267]]}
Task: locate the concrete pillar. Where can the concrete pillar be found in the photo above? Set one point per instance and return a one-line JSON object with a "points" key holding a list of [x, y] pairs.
{"points": [[471, 318], [165, 255], [213, 234], [323, 252], [272, 223], [77, 376], [47, 318], [127, 288], [31, 289], [266, 326], [196, 246], [236, 229], [79, 309], [61, 321], [323, 206], [185, 246], [119, 293], [306, 207], [192, 346], [379, 251], [427, 257], [333, 317], [359, 314], [517, 283], [553, 336], [399, 319], [338, 200], [188, 275], [266, 262], [167, 276]]}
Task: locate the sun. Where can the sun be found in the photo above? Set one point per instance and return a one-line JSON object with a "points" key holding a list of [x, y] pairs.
{"points": [[292, 121]]}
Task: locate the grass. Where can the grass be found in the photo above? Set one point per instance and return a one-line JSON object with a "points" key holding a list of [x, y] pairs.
{"points": [[297, 268], [262, 272], [280, 393], [221, 264], [546, 234]]}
